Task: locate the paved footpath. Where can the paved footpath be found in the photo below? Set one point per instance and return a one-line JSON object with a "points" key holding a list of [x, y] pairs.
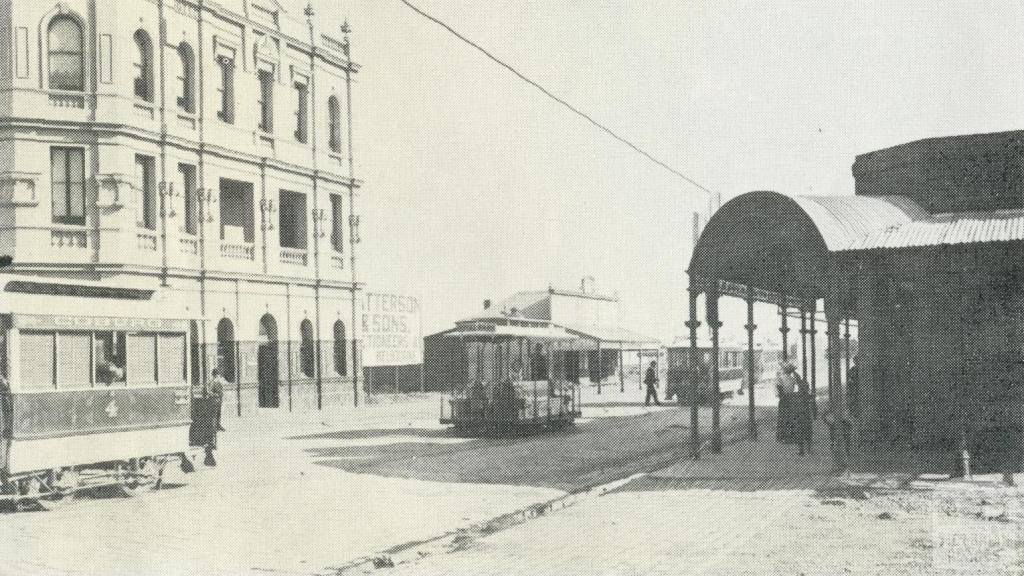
{"points": [[758, 508], [282, 502]]}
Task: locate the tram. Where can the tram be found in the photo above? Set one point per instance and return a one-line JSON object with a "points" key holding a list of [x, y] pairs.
{"points": [[732, 371], [88, 400], [515, 378]]}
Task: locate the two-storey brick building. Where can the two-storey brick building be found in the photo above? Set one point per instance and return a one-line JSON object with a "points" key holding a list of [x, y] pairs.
{"points": [[198, 148]]}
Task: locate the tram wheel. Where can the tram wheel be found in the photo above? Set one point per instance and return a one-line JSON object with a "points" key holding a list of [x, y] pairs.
{"points": [[140, 475], [62, 485]]}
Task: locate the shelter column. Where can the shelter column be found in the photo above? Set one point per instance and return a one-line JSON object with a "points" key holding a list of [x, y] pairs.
{"points": [[751, 376], [846, 356], [814, 358], [803, 341], [692, 324], [832, 319], [714, 324], [784, 327], [598, 372]]}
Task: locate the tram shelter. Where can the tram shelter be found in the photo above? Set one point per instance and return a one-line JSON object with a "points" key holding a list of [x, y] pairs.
{"points": [[925, 260], [791, 255]]}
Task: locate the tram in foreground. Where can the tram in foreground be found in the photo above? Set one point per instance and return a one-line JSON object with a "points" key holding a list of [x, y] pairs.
{"points": [[88, 400], [515, 378]]}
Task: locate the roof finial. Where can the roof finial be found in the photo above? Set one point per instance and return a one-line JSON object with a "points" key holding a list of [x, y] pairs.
{"points": [[309, 10], [345, 29]]}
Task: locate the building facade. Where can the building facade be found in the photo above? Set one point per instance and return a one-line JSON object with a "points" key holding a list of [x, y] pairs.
{"points": [[202, 149]]}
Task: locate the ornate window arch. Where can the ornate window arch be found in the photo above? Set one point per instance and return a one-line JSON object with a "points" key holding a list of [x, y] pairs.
{"points": [[187, 78], [143, 66], [334, 124], [65, 53]]}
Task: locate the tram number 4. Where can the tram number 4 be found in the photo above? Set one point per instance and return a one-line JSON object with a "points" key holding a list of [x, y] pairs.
{"points": [[111, 409]]}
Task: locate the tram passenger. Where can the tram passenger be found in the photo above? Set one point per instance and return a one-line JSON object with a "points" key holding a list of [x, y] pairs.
{"points": [[651, 380]]}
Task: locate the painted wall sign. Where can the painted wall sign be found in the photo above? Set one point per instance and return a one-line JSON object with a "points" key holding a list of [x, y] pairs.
{"points": [[390, 330], [65, 322]]}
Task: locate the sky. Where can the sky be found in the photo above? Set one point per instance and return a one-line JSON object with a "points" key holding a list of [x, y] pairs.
{"points": [[477, 186]]}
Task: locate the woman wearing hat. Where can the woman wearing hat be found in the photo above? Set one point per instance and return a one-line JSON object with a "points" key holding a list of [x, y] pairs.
{"points": [[794, 408]]}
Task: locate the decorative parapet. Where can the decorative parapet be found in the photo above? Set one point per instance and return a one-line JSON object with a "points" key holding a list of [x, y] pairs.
{"points": [[295, 256], [238, 251]]}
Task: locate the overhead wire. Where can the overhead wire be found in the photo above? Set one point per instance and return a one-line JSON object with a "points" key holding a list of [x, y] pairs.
{"points": [[560, 100]]}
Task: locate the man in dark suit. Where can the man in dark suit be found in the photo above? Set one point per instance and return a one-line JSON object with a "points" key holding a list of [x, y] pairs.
{"points": [[651, 380]]}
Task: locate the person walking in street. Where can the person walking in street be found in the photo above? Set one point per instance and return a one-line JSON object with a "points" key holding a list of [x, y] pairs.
{"points": [[651, 380]]}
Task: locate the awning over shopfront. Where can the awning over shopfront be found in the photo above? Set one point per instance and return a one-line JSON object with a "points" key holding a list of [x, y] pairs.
{"points": [[614, 337]]}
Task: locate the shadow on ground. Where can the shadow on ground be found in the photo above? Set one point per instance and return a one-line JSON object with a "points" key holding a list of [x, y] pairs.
{"points": [[377, 433], [573, 459]]}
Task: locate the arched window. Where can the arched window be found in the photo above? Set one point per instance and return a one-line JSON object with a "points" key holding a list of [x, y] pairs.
{"points": [[340, 364], [187, 78], [65, 54], [307, 353], [334, 124], [143, 65]]}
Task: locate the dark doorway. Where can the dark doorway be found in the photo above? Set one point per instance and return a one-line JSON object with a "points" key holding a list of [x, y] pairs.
{"points": [[269, 381], [226, 349]]}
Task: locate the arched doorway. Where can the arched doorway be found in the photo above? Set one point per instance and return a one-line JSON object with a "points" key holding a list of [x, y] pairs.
{"points": [[266, 360], [226, 349], [340, 364], [307, 352]]}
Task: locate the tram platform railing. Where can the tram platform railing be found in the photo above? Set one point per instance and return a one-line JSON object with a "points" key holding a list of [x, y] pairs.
{"points": [[525, 402]]}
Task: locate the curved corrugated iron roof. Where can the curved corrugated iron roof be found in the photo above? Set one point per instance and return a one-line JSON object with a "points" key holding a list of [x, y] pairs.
{"points": [[948, 229], [844, 221]]}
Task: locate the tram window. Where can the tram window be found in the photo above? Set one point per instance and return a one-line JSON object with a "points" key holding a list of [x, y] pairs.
{"points": [[36, 352], [73, 359], [171, 368], [142, 358], [110, 357]]}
